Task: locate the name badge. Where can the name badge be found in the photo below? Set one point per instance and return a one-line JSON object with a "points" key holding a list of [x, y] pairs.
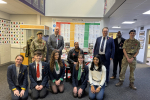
{"points": [[132, 47], [120, 47]]}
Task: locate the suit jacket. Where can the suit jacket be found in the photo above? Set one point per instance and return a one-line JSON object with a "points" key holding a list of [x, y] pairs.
{"points": [[32, 74], [84, 77], [22, 77], [54, 76], [70, 56], [118, 51], [53, 44], [109, 50]]}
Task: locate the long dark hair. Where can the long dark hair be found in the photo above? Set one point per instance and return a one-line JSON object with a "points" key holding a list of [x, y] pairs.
{"points": [[77, 66], [52, 60], [99, 64]]}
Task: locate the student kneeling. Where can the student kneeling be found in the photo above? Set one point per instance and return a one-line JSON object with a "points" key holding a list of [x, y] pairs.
{"points": [[79, 77], [38, 73], [56, 72], [97, 78], [17, 79]]}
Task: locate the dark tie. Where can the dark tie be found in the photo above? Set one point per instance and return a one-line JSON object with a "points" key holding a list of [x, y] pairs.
{"points": [[102, 46]]}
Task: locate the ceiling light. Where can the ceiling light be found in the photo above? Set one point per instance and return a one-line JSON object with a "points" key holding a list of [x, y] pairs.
{"points": [[128, 22], [147, 12], [116, 27], [2, 2]]}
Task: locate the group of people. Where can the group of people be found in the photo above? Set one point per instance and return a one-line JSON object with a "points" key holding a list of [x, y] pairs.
{"points": [[96, 74]]}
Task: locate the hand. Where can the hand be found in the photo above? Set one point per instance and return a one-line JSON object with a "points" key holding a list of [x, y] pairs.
{"points": [[57, 82], [22, 93], [92, 89], [80, 92], [75, 63], [98, 89], [16, 93], [130, 60], [44, 59], [33, 59], [40, 87], [111, 59], [37, 87], [75, 90]]}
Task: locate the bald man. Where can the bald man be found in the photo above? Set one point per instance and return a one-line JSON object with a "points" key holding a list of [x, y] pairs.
{"points": [[56, 41]]}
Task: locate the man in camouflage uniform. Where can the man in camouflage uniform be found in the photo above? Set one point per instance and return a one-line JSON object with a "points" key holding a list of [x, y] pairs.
{"points": [[39, 44], [131, 49], [28, 51]]}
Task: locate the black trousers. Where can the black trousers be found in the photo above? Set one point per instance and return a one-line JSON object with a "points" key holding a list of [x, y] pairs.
{"points": [[35, 94], [25, 97], [71, 70], [116, 60]]}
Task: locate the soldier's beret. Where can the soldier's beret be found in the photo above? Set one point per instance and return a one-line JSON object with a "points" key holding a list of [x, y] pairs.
{"points": [[132, 31], [39, 32]]}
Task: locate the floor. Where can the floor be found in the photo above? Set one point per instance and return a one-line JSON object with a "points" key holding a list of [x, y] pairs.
{"points": [[142, 82]]}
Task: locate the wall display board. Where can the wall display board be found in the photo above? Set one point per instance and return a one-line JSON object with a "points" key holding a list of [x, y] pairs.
{"points": [[141, 38], [84, 33], [4, 31], [17, 34]]}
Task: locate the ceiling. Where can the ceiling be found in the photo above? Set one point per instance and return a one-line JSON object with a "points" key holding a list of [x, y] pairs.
{"points": [[16, 7], [130, 10]]}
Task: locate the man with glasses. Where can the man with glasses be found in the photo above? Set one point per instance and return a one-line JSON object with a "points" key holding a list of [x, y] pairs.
{"points": [[105, 48]]}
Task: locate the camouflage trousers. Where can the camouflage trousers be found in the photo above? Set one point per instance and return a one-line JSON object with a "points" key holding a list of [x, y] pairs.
{"points": [[29, 59], [124, 66]]}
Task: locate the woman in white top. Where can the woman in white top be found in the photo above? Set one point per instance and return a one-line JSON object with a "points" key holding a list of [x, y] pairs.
{"points": [[56, 72], [97, 77]]}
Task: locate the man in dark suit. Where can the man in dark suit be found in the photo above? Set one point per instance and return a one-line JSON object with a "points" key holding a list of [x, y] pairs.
{"points": [[56, 41], [17, 79], [105, 48], [119, 41], [38, 73]]}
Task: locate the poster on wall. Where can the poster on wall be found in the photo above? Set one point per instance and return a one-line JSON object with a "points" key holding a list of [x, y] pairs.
{"points": [[4, 31], [38, 5], [17, 34], [141, 39]]}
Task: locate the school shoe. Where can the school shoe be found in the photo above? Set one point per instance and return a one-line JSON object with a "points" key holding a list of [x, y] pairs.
{"points": [[119, 83], [131, 85], [113, 77]]}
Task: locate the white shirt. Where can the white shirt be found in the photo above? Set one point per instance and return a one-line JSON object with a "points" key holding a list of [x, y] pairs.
{"points": [[57, 72], [96, 77], [119, 40], [56, 39], [104, 47], [40, 68]]}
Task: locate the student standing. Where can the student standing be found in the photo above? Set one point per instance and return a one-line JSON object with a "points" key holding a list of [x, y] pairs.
{"points": [[79, 77], [97, 77], [38, 73], [56, 72], [17, 79]]}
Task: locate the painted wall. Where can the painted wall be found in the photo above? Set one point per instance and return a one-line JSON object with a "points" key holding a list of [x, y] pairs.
{"points": [[74, 8], [4, 15], [125, 33], [141, 57]]}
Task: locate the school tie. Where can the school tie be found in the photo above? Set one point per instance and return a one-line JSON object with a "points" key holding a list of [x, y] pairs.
{"points": [[102, 44], [38, 71], [57, 68], [79, 73]]}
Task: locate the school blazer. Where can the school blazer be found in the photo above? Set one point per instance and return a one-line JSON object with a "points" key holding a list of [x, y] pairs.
{"points": [[32, 75], [84, 77], [53, 75], [22, 78]]}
